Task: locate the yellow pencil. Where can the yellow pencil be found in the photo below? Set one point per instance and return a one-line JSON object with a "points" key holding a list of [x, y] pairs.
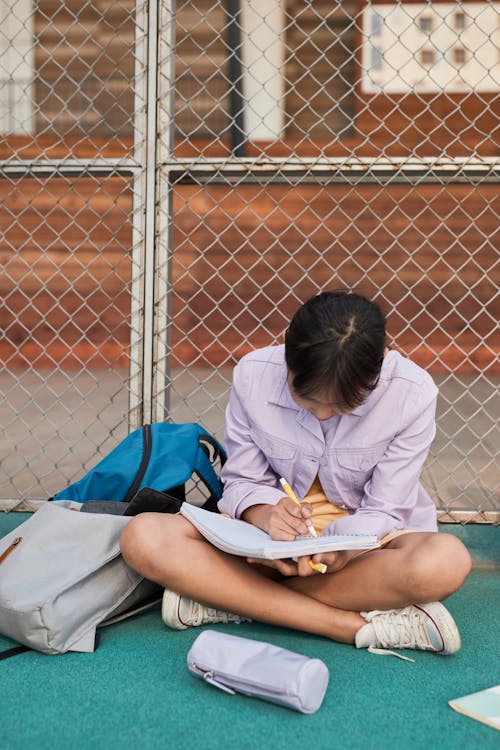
{"points": [[291, 494], [319, 567]]}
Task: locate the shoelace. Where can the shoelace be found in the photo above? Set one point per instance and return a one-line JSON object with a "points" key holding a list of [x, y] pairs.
{"points": [[219, 614], [199, 614], [388, 652], [400, 629]]}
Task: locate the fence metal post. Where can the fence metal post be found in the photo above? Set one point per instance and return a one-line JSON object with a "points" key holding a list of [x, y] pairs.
{"points": [[164, 240], [138, 200], [144, 221], [236, 100]]}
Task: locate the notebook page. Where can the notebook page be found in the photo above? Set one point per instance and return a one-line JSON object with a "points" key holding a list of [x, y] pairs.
{"points": [[241, 538]]}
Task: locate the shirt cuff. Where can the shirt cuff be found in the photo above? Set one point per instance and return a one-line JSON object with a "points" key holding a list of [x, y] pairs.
{"points": [[258, 496]]}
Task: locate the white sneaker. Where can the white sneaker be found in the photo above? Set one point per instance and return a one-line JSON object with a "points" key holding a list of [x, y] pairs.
{"points": [[427, 627], [179, 612]]}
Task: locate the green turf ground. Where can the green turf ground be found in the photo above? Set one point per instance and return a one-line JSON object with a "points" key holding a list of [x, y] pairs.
{"points": [[135, 691]]}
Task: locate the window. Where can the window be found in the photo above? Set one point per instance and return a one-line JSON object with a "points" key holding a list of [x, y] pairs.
{"points": [[376, 25], [435, 46], [376, 59], [427, 57], [425, 24]]}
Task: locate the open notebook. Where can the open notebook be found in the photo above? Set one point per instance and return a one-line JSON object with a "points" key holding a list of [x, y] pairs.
{"points": [[244, 539], [483, 706]]}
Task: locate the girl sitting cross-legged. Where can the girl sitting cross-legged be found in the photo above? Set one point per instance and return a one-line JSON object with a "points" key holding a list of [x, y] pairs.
{"points": [[348, 423]]}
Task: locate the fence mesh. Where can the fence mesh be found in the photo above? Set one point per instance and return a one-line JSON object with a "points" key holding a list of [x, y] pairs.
{"points": [[295, 146]]}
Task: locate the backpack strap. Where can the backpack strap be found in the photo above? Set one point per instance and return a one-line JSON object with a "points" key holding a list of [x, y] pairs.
{"points": [[218, 450], [13, 651], [204, 464]]}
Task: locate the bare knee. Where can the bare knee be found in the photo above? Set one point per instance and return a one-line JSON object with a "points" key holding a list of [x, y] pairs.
{"points": [[437, 567], [454, 561], [149, 540]]}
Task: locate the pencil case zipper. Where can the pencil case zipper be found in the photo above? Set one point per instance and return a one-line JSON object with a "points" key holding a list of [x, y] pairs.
{"points": [[12, 546], [226, 682]]}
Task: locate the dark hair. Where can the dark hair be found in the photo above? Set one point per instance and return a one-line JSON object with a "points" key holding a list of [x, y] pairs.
{"points": [[335, 344]]}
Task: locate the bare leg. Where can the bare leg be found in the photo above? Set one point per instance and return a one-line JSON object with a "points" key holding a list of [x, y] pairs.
{"points": [[413, 568], [169, 550]]}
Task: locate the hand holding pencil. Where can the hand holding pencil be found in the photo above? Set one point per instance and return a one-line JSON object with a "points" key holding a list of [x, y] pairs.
{"points": [[319, 567], [291, 494]]}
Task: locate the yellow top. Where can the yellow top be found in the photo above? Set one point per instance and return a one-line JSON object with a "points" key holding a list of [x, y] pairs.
{"points": [[323, 511]]}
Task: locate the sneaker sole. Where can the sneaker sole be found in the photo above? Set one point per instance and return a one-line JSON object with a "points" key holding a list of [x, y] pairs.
{"points": [[170, 611], [445, 624]]}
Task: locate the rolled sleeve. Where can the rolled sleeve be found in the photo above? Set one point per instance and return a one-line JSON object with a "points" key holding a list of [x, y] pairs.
{"points": [[247, 477], [392, 492]]}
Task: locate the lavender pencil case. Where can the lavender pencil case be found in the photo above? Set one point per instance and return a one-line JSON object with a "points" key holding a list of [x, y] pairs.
{"points": [[259, 669]]}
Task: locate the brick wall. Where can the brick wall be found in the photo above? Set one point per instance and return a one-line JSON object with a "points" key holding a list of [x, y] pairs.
{"points": [[429, 252], [426, 251]]}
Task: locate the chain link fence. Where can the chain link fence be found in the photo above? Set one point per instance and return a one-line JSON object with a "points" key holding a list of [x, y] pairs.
{"points": [[178, 178]]}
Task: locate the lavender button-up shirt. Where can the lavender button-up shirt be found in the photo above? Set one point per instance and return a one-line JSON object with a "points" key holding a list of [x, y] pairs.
{"points": [[368, 461]]}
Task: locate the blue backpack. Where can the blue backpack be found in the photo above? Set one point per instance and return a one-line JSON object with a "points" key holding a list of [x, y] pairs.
{"points": [[149, 468]]}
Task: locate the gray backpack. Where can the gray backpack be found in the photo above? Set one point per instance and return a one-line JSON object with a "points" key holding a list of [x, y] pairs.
{"points": [[62, 576]]}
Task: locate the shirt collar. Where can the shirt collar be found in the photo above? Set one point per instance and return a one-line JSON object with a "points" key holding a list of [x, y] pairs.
{"points": [[281, 395], [360, 410]]}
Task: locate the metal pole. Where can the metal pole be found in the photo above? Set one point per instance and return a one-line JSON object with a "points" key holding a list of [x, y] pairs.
{"points": [[163, 308], [136, 416], [150, 184], [236, 99]]}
